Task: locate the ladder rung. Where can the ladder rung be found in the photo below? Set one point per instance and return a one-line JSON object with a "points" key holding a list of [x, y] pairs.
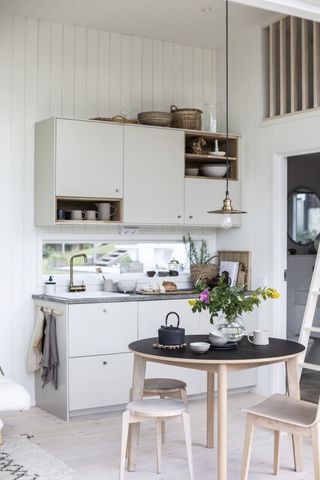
{"points": [[310, 366], [312, 329]]}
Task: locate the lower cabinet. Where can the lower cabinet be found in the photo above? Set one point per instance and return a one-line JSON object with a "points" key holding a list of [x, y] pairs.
{"points": [[94, 381]]}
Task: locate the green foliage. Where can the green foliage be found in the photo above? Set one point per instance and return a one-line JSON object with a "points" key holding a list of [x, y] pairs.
{"points": [[197, 256], [229, 301]]}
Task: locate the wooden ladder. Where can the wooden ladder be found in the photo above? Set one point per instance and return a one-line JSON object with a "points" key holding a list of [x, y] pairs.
{"points": [[307, 323]]}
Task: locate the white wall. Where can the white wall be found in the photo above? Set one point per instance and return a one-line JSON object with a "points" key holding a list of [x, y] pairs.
{"points": [[53, 69], [260, 142]]}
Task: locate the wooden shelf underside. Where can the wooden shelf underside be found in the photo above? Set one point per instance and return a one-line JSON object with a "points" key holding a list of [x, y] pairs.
{"points": [[207, 158], [201, 177]]}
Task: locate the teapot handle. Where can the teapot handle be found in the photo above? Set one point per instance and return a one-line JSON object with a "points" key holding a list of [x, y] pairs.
{"points": [[174, 313]]}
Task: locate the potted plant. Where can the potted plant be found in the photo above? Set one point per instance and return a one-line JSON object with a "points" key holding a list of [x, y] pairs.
{"points": [[199, 257], [227, 304]]}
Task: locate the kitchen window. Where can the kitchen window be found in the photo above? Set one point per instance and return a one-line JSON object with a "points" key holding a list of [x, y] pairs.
{"points": [[112, 257]]}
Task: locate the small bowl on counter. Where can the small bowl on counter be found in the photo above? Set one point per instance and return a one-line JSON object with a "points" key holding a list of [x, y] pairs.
{"points": [[214, 170], [199, 347], [126, 286]]}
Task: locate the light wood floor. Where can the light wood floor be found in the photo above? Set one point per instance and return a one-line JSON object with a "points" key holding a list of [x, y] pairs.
{"points": [[90, 445]]}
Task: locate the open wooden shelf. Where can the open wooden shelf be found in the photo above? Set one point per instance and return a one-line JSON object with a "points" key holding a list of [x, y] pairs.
{"points": [[193, 159], [75, 203]]}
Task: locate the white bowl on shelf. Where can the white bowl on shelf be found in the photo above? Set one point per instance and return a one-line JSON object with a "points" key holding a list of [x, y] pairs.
{"points": [[219, 153], [199, 347], [215, 170], [193, 171]]}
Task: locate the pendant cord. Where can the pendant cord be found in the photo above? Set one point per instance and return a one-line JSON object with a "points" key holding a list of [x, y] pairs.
{"points": [[227, 94]]}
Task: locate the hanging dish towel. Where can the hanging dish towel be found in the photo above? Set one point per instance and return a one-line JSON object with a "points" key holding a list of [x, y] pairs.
{"points": [[50, 357], [35, 349]]}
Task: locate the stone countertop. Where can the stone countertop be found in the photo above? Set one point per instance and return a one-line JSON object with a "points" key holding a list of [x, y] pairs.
{"points": [[132, 297]]}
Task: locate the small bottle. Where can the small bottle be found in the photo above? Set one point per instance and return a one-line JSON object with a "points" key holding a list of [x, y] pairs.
{"points": [[50, 286]]}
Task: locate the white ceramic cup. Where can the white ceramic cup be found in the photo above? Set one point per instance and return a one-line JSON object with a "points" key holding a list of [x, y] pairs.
{"points": [[107, 285], [78, 215], [106, 210], [92, 215], [259, 337]]}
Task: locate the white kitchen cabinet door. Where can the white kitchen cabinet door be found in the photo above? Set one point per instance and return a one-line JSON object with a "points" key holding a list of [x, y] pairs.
{"points": [[101, 328], [153, 175], [89, 159], [99, 381], [202, 195]]}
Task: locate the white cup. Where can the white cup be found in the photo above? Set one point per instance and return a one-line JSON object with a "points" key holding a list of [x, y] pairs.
{"points": [[78, 215], [106, 210], [92, 215], [107, 285], [259, 337]]}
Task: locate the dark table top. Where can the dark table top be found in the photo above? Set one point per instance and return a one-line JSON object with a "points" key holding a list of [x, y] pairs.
{"points": [[245, 352]]}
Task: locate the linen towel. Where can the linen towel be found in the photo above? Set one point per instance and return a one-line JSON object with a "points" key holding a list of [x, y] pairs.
{"points": [[35, 351], [50, 356]]}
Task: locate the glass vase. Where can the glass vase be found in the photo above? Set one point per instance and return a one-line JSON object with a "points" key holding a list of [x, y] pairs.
{"points": [[232, 329]]}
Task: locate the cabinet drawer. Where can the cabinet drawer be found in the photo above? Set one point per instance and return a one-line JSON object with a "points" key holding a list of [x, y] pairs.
{"points": [[101, 328], [94, 381]]}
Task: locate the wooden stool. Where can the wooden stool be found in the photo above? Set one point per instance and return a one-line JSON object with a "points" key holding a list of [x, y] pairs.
{"points": [[160, 410], [164, 388]]}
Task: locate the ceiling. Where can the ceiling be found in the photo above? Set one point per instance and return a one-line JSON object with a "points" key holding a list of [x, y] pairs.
{"points": [[180, 21]]}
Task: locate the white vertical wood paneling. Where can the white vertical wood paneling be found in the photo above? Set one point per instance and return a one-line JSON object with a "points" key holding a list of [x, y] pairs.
{"points": [[91, 93], [80, 72], [283, 67], [147, 74], [304, 64], [293, 65], [316, 64], [103, 74], [54, 69], [6, 287]]}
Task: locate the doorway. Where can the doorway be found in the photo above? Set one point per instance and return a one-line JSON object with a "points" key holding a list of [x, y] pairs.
{"points": [[303, 208]]}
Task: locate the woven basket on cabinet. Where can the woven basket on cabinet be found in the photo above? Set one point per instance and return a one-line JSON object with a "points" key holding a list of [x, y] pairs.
{"points": [[187, 118], [204, 271]]}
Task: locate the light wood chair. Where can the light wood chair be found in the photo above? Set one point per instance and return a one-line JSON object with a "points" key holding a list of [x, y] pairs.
{"points": [[164, 388], [159, 410], [283, 414]]}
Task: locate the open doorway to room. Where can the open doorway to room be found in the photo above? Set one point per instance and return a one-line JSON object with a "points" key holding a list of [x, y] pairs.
{"points": [[303, 173]]}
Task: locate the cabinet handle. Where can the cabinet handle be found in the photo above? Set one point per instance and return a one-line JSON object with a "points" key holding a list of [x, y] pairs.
{"points": [[190, 216], [104, 362], [179, 216], [117, 190], [105, 310]]}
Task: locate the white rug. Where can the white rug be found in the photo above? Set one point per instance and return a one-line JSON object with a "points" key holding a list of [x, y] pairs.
{"points": [[20, 459]]}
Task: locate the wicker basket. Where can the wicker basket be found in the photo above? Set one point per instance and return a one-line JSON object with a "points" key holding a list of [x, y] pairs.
{"points": [[187, 118], [205, 271], [158, 119]]}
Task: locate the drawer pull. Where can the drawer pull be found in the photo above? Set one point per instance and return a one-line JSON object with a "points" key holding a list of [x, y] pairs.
{"points": [[104, 362], [105, 310]]}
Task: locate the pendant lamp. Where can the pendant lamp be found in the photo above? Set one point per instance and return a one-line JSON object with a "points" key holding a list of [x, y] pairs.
{"points": [[227, 209]]}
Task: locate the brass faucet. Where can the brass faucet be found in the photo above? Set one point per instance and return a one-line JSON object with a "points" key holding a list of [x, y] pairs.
{"points": [[72, 287]]}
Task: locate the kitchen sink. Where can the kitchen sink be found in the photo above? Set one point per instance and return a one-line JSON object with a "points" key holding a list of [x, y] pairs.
{"points": [[88, 294]]}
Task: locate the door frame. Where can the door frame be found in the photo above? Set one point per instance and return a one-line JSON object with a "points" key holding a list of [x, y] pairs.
{"points": [[278, 232]]}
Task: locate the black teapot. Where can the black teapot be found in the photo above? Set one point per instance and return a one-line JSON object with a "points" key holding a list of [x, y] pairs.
{"points": [[171, 335]]}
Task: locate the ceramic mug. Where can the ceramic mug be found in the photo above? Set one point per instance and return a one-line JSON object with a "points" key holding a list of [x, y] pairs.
{"points": [[106, 210], [92, 215], [78, 215], [107, 285], [259, 337]]}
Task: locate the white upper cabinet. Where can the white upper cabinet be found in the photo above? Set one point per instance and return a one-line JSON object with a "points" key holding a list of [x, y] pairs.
{"points": [[89, 159], [202, 195], [153, 175]]}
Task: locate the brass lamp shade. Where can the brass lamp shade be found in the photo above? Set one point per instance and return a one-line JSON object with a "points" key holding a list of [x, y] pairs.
{"points": [[227, 208]]}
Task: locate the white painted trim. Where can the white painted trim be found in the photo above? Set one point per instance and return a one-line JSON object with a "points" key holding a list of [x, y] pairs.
{"points": [[278, 242], [297, 8]]}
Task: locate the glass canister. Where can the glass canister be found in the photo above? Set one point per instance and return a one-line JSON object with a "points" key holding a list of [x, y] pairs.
{"points": [[210, 117], [174, 267]]}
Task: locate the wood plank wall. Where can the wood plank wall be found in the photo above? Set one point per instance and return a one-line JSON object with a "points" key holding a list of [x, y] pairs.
{"points": [[54, 69], [293, 65]]}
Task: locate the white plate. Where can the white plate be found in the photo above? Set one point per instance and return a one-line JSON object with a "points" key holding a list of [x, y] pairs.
{"points": [[217, 154]]}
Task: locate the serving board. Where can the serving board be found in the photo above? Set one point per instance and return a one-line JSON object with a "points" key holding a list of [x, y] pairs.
{"points": [[175, 292]]}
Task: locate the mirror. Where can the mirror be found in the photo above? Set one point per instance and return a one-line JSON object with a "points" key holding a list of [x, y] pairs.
{"points": [[303, 216]]}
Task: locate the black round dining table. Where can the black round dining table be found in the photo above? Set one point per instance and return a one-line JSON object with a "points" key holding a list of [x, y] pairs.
{"points": [[215, 361]]}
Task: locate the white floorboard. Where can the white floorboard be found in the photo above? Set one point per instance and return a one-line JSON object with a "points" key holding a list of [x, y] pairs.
{"points": [[90, 444]]}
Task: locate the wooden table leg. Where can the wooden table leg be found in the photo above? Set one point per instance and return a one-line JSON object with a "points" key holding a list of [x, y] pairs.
{"points": [[210, 409], [222, 422], [294, 391], [139, 371]]}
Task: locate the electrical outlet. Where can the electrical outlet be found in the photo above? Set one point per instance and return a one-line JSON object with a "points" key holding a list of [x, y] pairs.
{"points": [[130, 231]]}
